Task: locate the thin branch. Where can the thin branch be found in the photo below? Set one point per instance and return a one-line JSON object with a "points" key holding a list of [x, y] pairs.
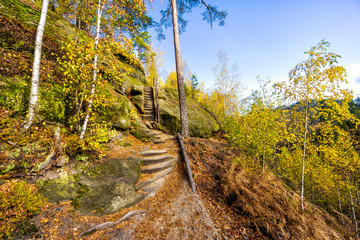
{"points": [[167, 14], [209, 10]]}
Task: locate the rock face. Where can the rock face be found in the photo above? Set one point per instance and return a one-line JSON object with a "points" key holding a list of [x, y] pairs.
{"points": [[98, 190], [201, 123], [118, 113]]}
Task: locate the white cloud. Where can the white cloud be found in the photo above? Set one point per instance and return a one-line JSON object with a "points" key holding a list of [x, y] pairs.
{"points": [[353, 71]]}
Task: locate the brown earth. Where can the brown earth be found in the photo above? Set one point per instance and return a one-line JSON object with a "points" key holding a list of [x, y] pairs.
{"points": [[231, 204]]}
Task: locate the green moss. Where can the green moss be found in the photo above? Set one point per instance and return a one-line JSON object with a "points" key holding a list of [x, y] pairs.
{"points": [[117, 114], [21, 11], [98, 190], [201, 123], [14, 93], [138, 101]]}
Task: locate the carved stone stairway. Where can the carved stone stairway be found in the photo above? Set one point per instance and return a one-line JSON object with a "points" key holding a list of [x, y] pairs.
{"points": [[156, 164], [149, 107]]}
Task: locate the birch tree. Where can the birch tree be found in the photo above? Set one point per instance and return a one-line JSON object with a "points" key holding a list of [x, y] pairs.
{"points": [[316, 78], [35, 78], [116, 25], [93, 86], [228, 85]]}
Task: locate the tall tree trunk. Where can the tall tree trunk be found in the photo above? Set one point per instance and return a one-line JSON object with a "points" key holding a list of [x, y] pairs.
{"points": [[179, 72], [34, 94], [354, 214], [340, 206], [93, 85], [303, 158]]}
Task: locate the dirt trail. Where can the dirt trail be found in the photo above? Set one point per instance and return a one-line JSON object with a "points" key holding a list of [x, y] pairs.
{"points": [[173, 210]]}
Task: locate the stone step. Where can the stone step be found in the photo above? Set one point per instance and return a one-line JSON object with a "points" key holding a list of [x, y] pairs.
{"points": [[149, 116], [149, 153], [156, 160], [161, 174], [152, 188], [157, 132], [149, 124], [154, 168]]}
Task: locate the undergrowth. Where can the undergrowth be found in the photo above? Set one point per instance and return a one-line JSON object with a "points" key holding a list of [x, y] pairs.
{"points": [[19, 201], [274, 210]]}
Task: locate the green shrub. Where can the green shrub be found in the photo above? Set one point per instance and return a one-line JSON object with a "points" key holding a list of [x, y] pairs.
{"points": [[18, 202]]}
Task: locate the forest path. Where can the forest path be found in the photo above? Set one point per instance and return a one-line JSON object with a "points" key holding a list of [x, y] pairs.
{"points": [[173, 211]]}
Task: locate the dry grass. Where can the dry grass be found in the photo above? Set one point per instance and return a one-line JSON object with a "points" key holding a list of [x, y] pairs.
{"points": [[275, 211], [245, 204]]}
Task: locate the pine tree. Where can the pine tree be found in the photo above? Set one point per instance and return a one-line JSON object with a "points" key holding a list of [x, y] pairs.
{"points": [[177, 10]]}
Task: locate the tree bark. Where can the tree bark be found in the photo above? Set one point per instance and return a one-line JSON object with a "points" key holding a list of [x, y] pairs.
{"points": [[179, 72], [303, 159], [353, 211], [93, 85], [188, 167], [34, 93], [340, 206]]}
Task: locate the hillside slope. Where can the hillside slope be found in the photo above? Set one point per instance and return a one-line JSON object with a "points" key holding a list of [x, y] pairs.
{"points": [[238, 204]]}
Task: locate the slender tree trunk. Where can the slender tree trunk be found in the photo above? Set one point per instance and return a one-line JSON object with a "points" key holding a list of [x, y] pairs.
{"points": [[354, 215], [34, 93], [179, 72], [340, 206], [263, 159], [303, 158], [93, 85], [352, 206]]}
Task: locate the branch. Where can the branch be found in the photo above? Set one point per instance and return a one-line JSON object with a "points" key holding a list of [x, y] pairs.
{"points": [[107, 225], [188, 168], [167, 14], [12, 144], [209, 10]]}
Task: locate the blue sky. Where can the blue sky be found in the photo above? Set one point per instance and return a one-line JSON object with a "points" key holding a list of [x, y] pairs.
{"points": [[266, 38]]}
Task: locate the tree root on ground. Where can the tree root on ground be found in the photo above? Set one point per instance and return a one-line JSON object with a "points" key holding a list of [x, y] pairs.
{"points": [[107, 225]]}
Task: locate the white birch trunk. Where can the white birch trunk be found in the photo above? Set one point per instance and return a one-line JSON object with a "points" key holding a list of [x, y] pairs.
{"points": [[354, 214], [340, 206], [93, 85], [34, 92], [179, 72], [303, 159]]}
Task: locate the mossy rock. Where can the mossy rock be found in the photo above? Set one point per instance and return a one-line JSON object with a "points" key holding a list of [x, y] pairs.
{"points": [[138, 101], [117, 114], [162, 94], [140, 131], [99, 190], [201, 123], [137, 90]]}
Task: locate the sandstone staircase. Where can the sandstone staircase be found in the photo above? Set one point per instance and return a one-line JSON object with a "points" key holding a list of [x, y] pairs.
{"points": [[149, 107], [156, 164]]}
